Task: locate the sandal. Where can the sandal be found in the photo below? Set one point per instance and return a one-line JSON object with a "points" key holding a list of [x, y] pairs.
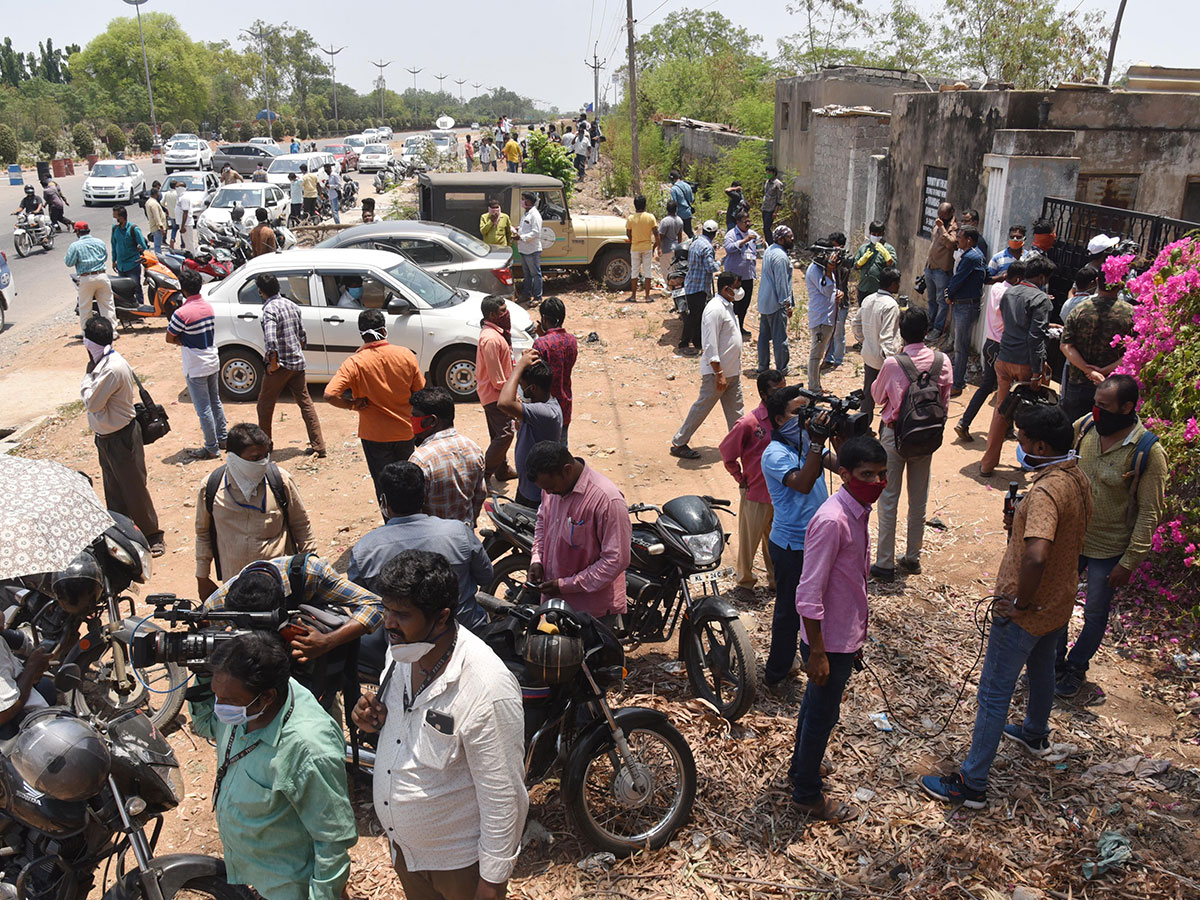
{"points": [[827, 769], [829, 810]]}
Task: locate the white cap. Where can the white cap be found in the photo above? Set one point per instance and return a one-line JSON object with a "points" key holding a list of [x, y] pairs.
{"points": [[710, 226], [1101, 243]]}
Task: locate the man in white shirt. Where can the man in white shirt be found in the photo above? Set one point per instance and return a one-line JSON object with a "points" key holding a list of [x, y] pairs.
{"points": [[529, 245], [187, 227], [449, 775], [333, 184], [22, 688], [720, 365], [878, 330], [581, 145]]}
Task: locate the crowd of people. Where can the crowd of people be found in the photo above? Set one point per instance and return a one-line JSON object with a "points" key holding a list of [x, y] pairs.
{"points": [[505, 141]]}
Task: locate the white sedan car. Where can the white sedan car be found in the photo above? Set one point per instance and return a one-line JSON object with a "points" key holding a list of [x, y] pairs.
{"points": [[114, 181], [178, 138], [248, 195], [439, 323], [374, 157], [188, 155]]}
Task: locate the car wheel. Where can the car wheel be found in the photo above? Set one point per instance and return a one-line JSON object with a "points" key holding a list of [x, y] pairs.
{"points": [[613, 269], [242, 373], [455, 371]]}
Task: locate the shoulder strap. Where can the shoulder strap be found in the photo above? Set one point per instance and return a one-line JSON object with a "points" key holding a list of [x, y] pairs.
{"points": [[279, 491], [1141, 459], [211, 486], [935, 370], [908, 367], [1088, 425], [145, 394], [297, 569]]}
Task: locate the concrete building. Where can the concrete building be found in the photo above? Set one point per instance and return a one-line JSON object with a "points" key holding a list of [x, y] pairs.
{"points": [[706, 141]]}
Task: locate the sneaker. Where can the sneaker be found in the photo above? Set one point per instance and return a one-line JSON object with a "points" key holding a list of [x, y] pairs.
{"points": [[1038, 747], [1069, 683], [684, 452], [910, 566], [963, 432], [202, 453], [879, 573], [950, 789]]}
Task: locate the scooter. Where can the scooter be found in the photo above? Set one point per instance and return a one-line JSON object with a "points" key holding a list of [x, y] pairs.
{"points": [[162, 291], [30, 231]]}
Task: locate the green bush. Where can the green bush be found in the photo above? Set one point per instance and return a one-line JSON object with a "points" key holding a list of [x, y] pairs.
{"points": [[187, 126], [548, 158], [83, 139], [47, 141], [302, 131], [10, 147], [319, 128], [746, 163], [166, 131], [261, 128], [115, 138], [657, 158], [245, 132], [143, 137]]}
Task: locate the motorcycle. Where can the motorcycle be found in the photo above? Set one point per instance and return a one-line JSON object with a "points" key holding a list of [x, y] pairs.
{"points": [[284, 238], [30, 231], [348, 195], [671, 583], [225, 240], [88, 596], [394, 173], [78, 793], [161, 288]]}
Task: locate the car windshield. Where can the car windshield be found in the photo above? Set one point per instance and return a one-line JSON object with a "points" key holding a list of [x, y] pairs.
{"points": [[190, 182], [355, 142], [432, 290], [185, 145], [335, 148], [281, 165], [468, 242], [231, 195], [442, 142], [416, 141], [112, 170], [376, 148]]}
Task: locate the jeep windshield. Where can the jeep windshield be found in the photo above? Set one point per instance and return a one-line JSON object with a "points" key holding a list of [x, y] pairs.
{"points": [[432, 290]]}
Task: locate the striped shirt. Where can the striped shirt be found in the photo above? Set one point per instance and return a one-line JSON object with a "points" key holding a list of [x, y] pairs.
{"points": [[702, 262], [193, 324], [283, 332]]}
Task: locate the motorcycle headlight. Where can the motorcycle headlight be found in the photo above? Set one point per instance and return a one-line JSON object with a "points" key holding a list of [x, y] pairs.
{"points": [[705, 548], [117, 552], [147, 562]]}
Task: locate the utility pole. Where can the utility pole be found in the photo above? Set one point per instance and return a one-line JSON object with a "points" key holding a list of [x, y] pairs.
{"points": [[333, 69], [633, 118], [460, 82], [414, 72], [137, 5], [1112, 46], [261, 37], [477, 85], [381, 65], [595, 65], [440, 79]]}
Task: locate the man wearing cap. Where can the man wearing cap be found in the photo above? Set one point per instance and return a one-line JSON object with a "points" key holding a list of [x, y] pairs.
{"points": [[697, 285], [89, 256]]}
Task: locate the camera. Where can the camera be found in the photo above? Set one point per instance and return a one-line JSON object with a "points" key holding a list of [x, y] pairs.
{"points": [[825, 254], [194, 647], [844, 423]]}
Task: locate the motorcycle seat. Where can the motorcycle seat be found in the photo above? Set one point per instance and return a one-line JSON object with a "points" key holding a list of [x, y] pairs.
{"points": [[122, 285]]}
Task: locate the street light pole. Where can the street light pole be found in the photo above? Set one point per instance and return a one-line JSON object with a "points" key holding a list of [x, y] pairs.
{"points": [[414, 72], [333, 70], [381, 65], [460, 82], [137, 5], [440, 78]]}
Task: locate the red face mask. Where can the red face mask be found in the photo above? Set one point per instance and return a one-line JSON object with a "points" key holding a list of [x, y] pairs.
{"points": [[865, 492], [1044, 241], [422, 425], [1015, 245]]}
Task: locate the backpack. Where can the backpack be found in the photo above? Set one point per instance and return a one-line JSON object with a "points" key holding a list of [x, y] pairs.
{"points": [[274, 482], [1141, 459], [922, 420]]}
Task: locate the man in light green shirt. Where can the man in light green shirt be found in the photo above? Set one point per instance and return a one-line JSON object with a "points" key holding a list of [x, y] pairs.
{"points": [[282, 807]]}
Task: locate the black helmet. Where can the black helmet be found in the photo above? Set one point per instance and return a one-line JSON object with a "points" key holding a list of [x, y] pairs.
{"points": [[78, 587], [554, 650], [29, 188], [60, 755]]}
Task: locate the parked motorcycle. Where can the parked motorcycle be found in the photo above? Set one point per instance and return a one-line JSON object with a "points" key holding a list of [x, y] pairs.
{"points": [[671, 583], [88, 596], [78, 793], [225, 240], [394, 173], [32, 231], [348, 195], [285, 239]]}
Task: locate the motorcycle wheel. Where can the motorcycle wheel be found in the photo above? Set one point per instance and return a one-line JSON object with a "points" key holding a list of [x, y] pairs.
{"points": [[22, 244], [720, 664], [193, 889], [608, 811], [48, 244], [99, 693], [508, 578]]}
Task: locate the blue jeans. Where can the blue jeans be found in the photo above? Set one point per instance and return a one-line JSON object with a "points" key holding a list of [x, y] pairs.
{"points": [[935, 289], [785, 623], [819, 712], [157, 236], [531, 265], [966, 313], [335, 206], [1010, 649], [135, 272], [1095, 616], [772, 329], [512, 166], [174, 231], [837, 344], [207, 402]]}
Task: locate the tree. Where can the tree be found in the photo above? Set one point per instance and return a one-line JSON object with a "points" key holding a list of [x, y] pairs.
{"points": [[47, 140], [187, 126], [166, 130], [115, 138], [12, 64], [277, 130], [83, 139], [827, 38], [302, 131], [143, 138], [10, 147], [548, 158], [245, 132], [304, 66]]}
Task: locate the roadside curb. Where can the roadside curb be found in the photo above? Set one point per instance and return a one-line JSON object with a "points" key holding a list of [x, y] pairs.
{"points": [[13, 439]]}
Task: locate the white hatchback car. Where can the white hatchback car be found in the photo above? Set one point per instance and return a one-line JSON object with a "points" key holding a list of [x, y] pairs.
{"points": [[248, 195], [187, 155], [114, 181], [374, 157], [281, 166], [439, 323]]}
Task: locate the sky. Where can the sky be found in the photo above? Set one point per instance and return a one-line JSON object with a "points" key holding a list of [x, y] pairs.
{"points": [[534, 47]]}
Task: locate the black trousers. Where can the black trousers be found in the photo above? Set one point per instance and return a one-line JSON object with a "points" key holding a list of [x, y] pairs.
{"points": [[687, 226], [123, 467], [743, 306], [691, 319], [380, 453]]}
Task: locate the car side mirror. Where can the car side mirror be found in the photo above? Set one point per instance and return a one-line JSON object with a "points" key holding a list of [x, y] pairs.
{"points": [[397, 306]]}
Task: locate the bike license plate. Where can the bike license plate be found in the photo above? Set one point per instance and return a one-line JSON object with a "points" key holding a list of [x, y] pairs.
{"points": [[677, 293], [699, 579]]}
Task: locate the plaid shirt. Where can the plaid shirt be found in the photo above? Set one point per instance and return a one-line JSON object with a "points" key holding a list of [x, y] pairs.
{"points": [[453, 467], [1090, 329], [283, 332], [702, 262], [322, 587], [559, 349]]}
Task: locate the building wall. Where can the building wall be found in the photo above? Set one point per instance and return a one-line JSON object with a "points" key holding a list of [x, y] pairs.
{"points": [[701, 144], [838, 199]]}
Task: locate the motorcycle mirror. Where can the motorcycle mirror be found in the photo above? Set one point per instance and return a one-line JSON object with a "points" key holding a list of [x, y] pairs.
{"points": [[67, 678]]}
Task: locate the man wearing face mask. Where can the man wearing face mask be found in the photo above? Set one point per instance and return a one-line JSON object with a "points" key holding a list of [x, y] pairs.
{"points": [[720, 365], [529, 245], [402, 497], [247, 509], [939, 265], [823, 298], [1036, 588], [998, 265], [281, 801], [453, 463], [493, 365], [1128, 470], [1043, 239], [378, 382], [449, 776], [1087, 343], [109, 394]]}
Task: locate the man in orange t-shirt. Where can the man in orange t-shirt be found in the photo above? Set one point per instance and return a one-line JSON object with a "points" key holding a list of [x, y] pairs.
{"points": [[380, 379], [493, 365]]}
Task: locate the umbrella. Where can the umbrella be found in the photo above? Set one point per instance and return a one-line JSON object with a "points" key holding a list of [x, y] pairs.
{"points": [[48, 515], [445, 123], [267, 114]]}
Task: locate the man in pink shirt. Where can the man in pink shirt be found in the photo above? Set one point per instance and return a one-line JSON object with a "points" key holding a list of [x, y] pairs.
{"points": [[889, 391], [831, 600], [493, 365], [741, 451], [581, 541], [991, 348]]}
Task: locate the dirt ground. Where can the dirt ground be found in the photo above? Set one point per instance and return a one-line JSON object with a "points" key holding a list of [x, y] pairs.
{"points": [[631, 392]]}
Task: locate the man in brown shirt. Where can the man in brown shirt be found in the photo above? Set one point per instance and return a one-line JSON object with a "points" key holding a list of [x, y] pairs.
{"points": [[939, 266], [1035, 588], [262, 235]]}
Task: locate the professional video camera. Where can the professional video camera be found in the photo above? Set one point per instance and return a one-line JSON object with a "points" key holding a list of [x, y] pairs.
{"points": [[206, 629], [825, 253], [843, 422]]}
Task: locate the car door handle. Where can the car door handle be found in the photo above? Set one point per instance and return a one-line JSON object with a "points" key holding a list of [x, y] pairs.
{"points": [[247, 316], [338, 319], [444, 272]]}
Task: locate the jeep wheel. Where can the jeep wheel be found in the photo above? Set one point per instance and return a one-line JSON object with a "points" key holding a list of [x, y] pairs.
{"points": [[613, 269], [242, 373], [455, 371]]}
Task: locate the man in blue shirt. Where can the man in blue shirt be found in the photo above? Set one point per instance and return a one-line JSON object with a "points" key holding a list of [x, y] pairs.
{"points": [[681, 193], [792, 465], [998, 265], [127, 246], [741, 258], [964, 293], [775, 301], [823, 299], [89, 256], [702, 263]]}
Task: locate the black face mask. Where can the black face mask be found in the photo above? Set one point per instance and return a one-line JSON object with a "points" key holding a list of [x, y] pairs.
{"points": [[1110, 422]]}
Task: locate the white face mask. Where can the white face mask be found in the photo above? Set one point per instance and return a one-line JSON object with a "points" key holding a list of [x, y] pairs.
{"points": [[95, 351], [232, 714], [247, 474], [412, 651], [739, 295]]}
